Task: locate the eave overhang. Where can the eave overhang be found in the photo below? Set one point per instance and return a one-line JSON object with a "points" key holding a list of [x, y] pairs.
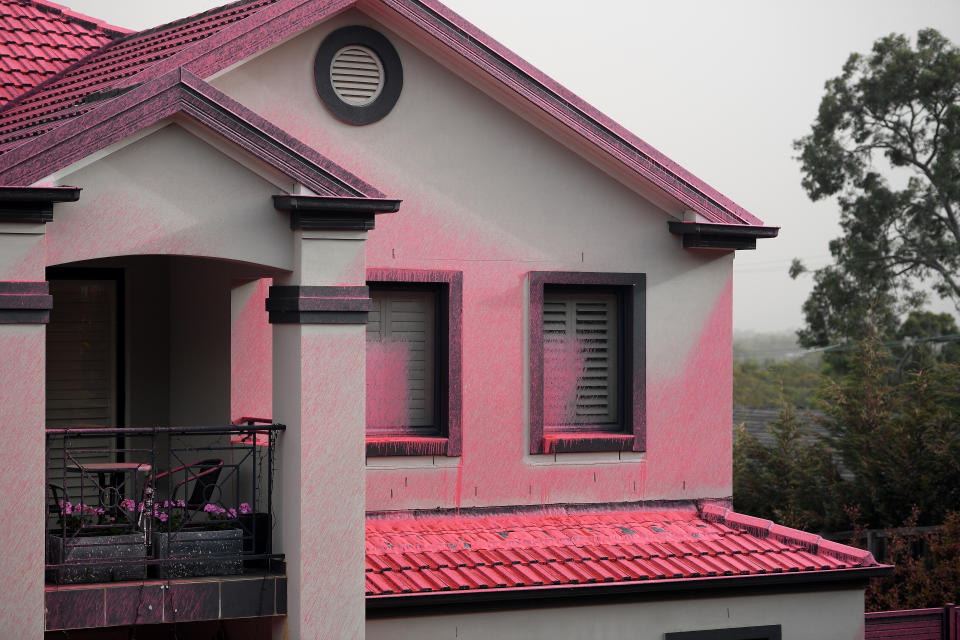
{"points": [[33, 204], [703, 235], [326, 212], [598, 593]]}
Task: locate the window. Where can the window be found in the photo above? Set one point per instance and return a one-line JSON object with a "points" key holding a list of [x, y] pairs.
{"points": [[586, 362], [413, 362], [766, 632]]}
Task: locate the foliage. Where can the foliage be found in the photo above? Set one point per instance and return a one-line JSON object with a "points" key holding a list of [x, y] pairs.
{"points": [[919, 580], [898, 435], [755, 385], [886, 143], [792, 482]]}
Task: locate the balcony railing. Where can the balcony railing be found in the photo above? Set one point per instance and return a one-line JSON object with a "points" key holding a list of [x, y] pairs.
{"points": [[160, 502]]}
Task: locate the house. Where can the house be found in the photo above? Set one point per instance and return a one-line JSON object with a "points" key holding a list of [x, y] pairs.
{"points": [[487, 329]]}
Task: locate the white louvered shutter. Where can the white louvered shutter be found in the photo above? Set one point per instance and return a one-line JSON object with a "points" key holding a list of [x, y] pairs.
{"points": [[580, 332], [356, 75], [81, 376], [401, 358]]}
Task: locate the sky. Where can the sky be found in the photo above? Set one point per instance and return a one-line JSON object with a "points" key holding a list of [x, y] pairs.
{"points": [[721, 87]]}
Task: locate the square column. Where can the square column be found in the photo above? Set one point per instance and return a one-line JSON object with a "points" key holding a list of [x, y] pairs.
{"points": [[319, 316], [24, 310]]}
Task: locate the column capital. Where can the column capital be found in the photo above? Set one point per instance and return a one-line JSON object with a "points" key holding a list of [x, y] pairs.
{"points": [[298, 304], [25, 302]]}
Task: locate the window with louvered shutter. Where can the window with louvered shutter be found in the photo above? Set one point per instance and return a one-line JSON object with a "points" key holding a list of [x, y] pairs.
{"points": [[81, 376], [401, 362], [580, 360]]}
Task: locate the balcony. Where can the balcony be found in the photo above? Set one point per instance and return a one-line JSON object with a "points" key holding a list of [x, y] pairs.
{"points": [[161, 524]]}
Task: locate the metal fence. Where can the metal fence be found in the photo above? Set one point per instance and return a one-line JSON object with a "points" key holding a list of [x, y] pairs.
{"points": [[941, 623], [163, 502]]}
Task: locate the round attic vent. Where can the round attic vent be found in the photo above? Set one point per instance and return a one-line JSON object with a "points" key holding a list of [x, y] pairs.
{"points": [[356, 74]]}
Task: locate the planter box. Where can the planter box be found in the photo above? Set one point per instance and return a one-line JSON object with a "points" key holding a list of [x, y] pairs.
{"points": [[256, 527], [85, 549], [198, 553]]}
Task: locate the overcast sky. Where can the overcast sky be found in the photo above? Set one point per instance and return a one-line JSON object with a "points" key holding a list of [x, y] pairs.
{"points": [[721, 87]]}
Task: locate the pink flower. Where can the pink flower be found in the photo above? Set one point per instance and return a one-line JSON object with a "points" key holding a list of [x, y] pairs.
{"points": [[245, 508], [232, 512]]}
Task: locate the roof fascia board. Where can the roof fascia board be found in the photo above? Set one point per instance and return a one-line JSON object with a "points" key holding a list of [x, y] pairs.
{"points": [[178, 92]]}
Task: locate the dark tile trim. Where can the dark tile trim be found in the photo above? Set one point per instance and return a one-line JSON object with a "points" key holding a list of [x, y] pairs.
{"points": [[579, 442], [33, 204], [408, 446], [318, 305], [449, 390], [25, 302], [701, 235], [632, 433]]}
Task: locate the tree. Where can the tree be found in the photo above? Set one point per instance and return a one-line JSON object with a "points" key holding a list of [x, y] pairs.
{"points": [[898, 434], [791, 481], [886, 143]]}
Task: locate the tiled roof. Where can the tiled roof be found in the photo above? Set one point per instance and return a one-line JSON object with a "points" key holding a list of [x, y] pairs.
{"points": [[39, 39], [424, 555], [68, 94]]}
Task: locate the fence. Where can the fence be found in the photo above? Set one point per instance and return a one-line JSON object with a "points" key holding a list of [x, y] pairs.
{"points": [[942, 623], [168, 501]]}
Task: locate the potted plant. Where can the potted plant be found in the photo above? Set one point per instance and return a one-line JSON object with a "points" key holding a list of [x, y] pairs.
{"points": [[211, 545], [92, 545]]}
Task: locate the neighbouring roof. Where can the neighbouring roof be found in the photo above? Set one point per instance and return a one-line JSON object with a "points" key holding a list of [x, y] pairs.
{"points": [[39, 39], [69, 95], [407, 556], [210, 42]]}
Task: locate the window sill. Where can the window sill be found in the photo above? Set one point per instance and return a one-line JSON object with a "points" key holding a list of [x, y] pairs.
{"points": [[581, 442], [408, 446]]}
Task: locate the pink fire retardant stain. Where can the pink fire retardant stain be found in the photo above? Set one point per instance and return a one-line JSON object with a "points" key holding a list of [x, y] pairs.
{"points": [[563, 366], [692, 458], [387, 367], [251, 345]]}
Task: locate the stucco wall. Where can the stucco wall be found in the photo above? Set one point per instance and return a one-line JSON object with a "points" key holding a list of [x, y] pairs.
{"points": [[169, 193], [487, 194], [839, 617]]}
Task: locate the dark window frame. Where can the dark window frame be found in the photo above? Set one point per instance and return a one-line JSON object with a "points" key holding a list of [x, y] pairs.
{"points": [[448, 400], [764, 632], [631, 430]]}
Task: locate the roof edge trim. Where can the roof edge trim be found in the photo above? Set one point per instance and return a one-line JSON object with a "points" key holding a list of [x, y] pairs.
{"points": [[788, 579]]}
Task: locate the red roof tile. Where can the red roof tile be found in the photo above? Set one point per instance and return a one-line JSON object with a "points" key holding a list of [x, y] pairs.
{"points": [[68, 94], [39, 38], [432, 554]]}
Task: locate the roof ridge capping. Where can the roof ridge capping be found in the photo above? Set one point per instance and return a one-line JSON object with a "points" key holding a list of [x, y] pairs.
{"points": [[763, 528]]}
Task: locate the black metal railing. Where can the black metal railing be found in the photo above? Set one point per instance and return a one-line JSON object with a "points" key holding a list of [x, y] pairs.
{"points": [[163, 502]]}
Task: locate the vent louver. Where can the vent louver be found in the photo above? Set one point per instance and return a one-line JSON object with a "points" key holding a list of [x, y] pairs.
{"points": [[356, 74]]}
